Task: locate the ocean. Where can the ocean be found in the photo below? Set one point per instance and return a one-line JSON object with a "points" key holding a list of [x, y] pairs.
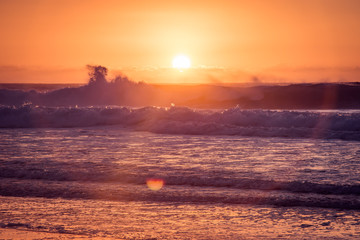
{"points": [[178, 172]]}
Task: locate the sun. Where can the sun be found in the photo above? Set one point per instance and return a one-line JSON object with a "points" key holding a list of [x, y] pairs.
{"points": [[181, 62]]}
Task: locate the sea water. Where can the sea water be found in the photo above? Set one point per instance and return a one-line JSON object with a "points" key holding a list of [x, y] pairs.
{"points": [[224, 174]]}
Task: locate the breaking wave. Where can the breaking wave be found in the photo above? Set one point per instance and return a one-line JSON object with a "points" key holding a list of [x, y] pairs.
{"points": [[182, 120]]}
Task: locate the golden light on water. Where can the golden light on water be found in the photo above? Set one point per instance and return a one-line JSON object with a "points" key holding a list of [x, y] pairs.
{"points": [[155, 184]]}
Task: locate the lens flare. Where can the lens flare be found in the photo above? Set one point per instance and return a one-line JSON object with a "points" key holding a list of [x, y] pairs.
{"points": [[155, 184]]}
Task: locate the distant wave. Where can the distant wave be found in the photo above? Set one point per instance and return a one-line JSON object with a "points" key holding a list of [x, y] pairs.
{"points": [[121, 91], [182, 120]]}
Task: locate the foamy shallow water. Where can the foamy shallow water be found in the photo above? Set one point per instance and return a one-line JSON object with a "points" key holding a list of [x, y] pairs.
{"points": [[92, 181]]}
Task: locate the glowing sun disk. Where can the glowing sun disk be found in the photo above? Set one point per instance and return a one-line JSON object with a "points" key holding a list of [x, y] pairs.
{"points": [[181, 62]]}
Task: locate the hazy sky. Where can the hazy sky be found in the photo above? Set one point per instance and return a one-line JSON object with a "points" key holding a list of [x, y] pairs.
{"points": [[246, 35]]}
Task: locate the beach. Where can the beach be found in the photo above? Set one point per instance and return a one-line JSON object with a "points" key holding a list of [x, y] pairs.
{"points": [[201, 120]]}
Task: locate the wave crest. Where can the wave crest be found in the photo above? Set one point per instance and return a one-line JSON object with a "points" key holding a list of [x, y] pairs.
{"points": [[183, 120]]}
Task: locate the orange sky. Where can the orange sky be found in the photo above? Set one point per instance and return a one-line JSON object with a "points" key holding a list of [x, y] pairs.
{"points": [[55, 35]]}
